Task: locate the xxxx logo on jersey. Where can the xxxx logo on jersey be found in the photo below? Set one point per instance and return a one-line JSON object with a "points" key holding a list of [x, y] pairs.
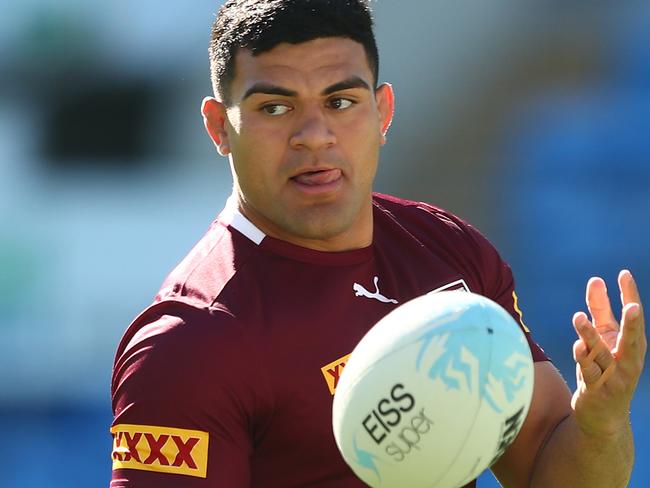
{"points": [[332, 372], [161, 449]]}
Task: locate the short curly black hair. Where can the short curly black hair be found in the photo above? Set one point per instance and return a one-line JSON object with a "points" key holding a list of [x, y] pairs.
{"points": [[260, 25]]}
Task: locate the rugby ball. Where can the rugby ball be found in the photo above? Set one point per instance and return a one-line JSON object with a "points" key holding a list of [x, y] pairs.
{"points": [[433, 393]]}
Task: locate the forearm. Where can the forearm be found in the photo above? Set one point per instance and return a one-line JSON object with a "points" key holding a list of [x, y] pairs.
{"points": [[574, 458]]}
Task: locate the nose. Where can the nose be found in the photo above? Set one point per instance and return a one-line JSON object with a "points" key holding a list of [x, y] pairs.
{"points": [[312, 131]]}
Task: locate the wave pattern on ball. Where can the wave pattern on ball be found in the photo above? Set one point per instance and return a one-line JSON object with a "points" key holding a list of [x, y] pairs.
{"points": [[455, 361]]}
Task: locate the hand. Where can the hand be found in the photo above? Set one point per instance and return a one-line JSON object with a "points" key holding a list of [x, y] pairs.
{"points": [[609, 358]]}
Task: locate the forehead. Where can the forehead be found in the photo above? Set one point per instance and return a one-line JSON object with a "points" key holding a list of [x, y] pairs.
{"points": [[304, 67]]}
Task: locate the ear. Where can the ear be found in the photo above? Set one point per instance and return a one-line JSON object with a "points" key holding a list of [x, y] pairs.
{"points": [[385, 98], [214, 119]]}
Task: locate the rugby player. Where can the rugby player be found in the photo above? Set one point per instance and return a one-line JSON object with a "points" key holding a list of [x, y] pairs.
{"points": [[226, 380]]}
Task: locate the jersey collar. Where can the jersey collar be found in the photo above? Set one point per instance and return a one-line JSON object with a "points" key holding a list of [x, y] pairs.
{"points": [[234, 218]]}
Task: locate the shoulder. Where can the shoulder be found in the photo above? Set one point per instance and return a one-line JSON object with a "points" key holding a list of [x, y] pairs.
{"points": [[450, 238], [184, 331], [432, 225], [187, 384], [179, 324], [175, 354], [209, 267]]}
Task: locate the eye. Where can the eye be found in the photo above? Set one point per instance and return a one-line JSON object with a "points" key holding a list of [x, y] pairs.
{"points": [[276, 109], [340, 103]]}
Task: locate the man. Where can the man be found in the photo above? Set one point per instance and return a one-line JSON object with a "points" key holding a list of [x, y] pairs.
{"points": [[226, 380]]}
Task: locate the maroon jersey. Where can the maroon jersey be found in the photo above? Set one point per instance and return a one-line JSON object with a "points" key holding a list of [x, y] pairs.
{"points": [[226, 380]]}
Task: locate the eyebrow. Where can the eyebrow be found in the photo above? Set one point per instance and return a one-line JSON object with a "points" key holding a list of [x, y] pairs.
{"points": [[271, 89], [347, 84]]}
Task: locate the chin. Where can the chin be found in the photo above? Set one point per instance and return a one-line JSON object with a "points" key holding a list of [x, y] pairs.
{"points": [[325, 229]]}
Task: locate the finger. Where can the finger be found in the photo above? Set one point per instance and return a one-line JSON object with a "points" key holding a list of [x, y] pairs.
{"points": [[607, 374], [596, 349], [591, 353], [632, 336], [599, 305], [629, 290], [586, 331], [580, 351], [632, 311], [589, 371]]}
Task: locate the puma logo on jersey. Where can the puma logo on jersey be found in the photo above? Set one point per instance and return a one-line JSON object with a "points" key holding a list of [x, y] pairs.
{"points": [[360, 291]]}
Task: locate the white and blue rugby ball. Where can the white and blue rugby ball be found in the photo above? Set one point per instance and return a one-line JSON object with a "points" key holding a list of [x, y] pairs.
{"points": [[433, 393]]}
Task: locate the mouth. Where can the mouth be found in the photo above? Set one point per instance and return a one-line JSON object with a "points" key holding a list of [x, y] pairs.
{"points": [[318, 177], [318, 182]]}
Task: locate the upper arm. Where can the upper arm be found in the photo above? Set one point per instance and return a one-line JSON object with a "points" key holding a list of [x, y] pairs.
{"points": [[182, 407], [551, 403]]}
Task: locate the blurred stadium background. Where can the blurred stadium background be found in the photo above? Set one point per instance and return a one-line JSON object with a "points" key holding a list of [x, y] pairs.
{"points": [[529, 119]]}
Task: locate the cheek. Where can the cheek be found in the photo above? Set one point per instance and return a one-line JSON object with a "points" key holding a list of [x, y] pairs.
{"points": [[361, 139], [365, 125], [249, 139], [234, 120], [257, 155], [261, 138]]}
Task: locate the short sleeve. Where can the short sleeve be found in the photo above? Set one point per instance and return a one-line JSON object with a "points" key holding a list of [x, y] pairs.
{"points": [[498, 284], [185, 401], [481, 263]]}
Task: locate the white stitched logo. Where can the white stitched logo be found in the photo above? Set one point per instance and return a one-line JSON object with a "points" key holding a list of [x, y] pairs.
{"points": [[360, 291], [459, 285]]}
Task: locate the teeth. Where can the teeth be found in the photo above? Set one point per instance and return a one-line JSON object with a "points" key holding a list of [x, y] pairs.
{"points": [[318, 177]]}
